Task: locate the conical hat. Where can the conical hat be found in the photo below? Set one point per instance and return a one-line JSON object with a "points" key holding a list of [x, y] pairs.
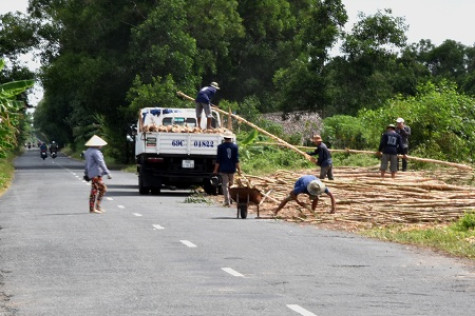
{"points": [[95, 141], [316, 187]]}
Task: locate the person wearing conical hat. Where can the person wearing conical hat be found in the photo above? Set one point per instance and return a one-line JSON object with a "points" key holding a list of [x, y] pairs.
{"points": [[311, 185], [95, 169]]}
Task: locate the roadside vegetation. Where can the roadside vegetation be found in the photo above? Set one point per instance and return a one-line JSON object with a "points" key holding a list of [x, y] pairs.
{"points": [[14, 124], [456, 239], [6, 173]]}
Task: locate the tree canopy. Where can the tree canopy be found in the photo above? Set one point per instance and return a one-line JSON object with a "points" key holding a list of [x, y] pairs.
{"points": [[102, 59]]}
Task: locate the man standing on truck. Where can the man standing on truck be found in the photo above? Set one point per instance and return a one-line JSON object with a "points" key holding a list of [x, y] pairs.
{"points": [[203, 102], [227, 162]]}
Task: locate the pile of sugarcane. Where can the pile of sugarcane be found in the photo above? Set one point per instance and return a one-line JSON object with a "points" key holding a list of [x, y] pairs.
{"points": [[181, 129], [362, 196]]}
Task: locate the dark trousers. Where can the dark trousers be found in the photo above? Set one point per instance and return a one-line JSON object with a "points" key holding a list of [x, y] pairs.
{"points": [[404, 161]]}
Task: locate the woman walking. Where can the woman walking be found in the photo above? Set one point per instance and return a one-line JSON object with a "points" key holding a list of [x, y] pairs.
{"points": [[95, 169]]}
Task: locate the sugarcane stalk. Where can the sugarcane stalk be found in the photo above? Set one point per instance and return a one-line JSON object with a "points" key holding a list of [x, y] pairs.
{"points": [[263, 131], [368, 152]]}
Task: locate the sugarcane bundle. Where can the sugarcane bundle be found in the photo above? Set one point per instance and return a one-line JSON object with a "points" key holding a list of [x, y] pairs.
{"points": [[181, 129]]}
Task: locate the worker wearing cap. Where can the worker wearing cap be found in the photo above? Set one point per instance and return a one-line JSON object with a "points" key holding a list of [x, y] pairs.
{"points": [[324, 158], [227, 162], [404, 131], [389, 147], [95, 169], [310, 185], [203, 102]]}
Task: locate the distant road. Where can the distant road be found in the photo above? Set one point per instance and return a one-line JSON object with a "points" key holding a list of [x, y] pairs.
{"points": [[156, 255]]}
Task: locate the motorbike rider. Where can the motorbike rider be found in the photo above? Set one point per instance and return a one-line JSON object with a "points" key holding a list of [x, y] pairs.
{"points": [[43, 150], [53, 148], [43, 147]]}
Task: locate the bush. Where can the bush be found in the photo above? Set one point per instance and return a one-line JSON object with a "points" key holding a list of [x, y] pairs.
{"points": [[466, 223], [343, 131], [442, 123]]}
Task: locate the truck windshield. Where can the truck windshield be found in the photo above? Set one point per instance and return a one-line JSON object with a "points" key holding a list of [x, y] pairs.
{"points": [[179, 121]]}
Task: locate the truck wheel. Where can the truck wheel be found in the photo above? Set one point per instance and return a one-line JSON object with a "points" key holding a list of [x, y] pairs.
{"points": [[243, 210], [143, 189], [156, 190]]}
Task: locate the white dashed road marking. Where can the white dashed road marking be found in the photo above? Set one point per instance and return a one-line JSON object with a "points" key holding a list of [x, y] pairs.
{"points": [[232, 272], [121, 206], [302, 311], [137, 214], [188, 243], [157, 227], [109, 199]]}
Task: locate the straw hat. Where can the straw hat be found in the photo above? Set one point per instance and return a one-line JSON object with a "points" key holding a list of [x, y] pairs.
{"points": [[95, 141], [317, 137], [215, 85], [400, 120], [316, 187], [228, 135]]}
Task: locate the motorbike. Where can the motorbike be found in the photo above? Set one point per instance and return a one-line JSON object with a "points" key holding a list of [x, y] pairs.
{"points": [[43, 155], [54, 154]]}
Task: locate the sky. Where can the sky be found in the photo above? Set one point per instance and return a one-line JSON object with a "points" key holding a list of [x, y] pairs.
{"points": [[436, 20]]}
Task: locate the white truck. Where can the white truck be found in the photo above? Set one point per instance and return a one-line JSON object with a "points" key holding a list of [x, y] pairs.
{"points": [[172, 151]]}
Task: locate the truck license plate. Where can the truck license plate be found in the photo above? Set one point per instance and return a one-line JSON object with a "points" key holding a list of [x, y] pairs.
{"points": [[190, 164]]}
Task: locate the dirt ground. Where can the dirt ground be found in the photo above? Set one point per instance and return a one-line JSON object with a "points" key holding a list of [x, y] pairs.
{"points": [[364, 199]]}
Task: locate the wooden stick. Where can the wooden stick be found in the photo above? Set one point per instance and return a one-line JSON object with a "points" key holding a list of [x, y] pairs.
{"points": [[263, 131], [368, 152]]}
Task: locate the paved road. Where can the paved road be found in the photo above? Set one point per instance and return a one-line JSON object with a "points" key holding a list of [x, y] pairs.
{"points": [[156, 255]]}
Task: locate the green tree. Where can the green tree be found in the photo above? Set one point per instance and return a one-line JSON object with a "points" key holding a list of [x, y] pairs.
{"points": [[267, 45], [302, 84], [366, 74]]}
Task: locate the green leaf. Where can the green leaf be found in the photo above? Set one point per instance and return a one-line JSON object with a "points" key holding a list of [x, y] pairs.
{"points": [[250, 138], [14, 88]]}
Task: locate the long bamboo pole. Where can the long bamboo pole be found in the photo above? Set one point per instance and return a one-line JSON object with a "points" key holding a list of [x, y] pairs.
{"points": [[369, 152], [263, 131]]}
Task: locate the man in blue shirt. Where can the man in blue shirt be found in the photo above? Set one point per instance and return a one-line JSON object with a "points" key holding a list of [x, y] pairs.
{"points": [[310, 185], [389, 146], [324, 158], [203, 102], [227, 162]]}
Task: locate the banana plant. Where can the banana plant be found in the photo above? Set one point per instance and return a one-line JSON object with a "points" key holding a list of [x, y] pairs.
{"points": [[10, 110], [8, 92]]}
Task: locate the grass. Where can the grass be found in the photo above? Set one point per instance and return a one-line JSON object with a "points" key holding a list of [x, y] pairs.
{"points": [[457, 239], [6, 172]]}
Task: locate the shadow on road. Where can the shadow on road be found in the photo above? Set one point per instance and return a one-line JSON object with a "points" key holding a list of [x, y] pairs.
{"points": [[66, 214], [136, 193], [123, 186]]}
